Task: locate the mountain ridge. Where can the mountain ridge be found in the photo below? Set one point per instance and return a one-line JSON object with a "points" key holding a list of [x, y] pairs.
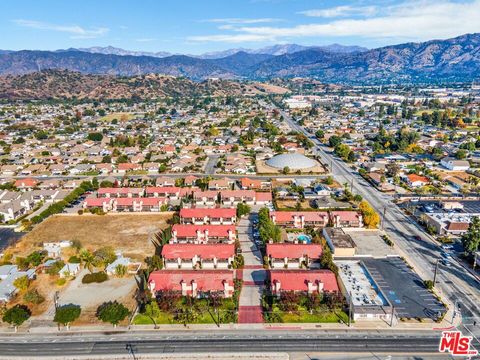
{"points": [[455, 59]]}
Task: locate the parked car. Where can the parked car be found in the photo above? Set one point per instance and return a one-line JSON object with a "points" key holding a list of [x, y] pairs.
{"points": [[446, 262], [446, 255]]}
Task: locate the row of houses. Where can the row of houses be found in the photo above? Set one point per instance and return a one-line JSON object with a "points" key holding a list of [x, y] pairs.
{"points": [[316, 219], [200, 283], [152, 198]]}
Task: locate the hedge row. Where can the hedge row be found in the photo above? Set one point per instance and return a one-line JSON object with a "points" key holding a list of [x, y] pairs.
{"points": [[97, 277], [58, 207]]}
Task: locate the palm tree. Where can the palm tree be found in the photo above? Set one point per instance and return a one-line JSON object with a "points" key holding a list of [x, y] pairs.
{"points": [[88, 259]]}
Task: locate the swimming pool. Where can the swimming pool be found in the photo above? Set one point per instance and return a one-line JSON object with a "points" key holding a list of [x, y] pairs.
{"points": [[304, 238]]}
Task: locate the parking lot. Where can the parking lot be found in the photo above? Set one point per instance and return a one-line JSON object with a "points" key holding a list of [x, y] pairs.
{"points": [[403, 288], [433, 206], [370, 243]]}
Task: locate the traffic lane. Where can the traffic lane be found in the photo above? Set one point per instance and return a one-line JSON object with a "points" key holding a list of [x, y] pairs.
{"points": [[341, 345]]}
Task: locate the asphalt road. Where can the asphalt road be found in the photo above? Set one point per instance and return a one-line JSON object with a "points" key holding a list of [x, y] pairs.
{"points": [[259, 341], [455, 282]]}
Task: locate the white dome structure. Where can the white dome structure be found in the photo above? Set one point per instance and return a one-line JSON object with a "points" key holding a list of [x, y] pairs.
{"points": [[294, 161]]}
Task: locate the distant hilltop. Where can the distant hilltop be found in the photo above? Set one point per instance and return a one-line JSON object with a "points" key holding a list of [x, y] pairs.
{"points": [[451, 60]]}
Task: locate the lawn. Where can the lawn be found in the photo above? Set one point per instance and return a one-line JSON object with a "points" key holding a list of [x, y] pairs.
{"points": [[305, 317], [126, 232], [296, 310], [120, 116], [168, 318]]}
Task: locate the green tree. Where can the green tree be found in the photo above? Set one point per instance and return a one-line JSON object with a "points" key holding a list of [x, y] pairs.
{"points": [[320, 134], [95, 136], [334, 141], [152, 311], [16, 315], [66, 314], [88, 259], [22, 283], [112, 312], [471, 239], [461, 154], [242, 209]]}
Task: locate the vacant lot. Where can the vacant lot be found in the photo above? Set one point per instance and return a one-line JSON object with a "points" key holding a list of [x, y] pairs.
{"points": [[126, 232], [293, 205], [120, 116]]}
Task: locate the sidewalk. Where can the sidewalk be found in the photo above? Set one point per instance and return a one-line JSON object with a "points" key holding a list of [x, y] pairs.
{"points": [[253, 275]]}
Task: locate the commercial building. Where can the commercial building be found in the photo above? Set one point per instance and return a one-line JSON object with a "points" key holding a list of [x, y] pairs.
{"points": [[340, 243]]}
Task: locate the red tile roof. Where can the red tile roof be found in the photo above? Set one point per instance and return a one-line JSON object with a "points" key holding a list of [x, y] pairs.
{"points": [[213, 230], [96, 202], [250, 183], [26, 183], [346, 215], [207, 251], [283, 216], [263, 196], [414, 178], [296, 280], [237, 193], [111, 190], [206, 280], [163, 189], [458, 226], [213, 213], [128, 166], [206, 194], [294, 251]]}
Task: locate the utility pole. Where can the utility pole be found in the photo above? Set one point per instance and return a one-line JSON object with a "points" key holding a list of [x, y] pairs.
{"points": [[392, 315], [435, 273], [383, 220], [350, 305]]}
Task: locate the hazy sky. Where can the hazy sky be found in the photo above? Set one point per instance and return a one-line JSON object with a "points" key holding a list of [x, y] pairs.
{"points": [[196, 26]]}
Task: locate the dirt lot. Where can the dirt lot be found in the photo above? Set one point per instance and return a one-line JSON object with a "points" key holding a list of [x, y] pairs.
{"points": [[45, 285], [292, 205], [90, 296], [126, 232]]}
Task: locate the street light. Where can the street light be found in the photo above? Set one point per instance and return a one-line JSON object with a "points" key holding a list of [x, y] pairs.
{"points": [[435, 273], [384, 218]]}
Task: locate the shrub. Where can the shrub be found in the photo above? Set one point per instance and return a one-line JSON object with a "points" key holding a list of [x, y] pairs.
{"points": [[97, 277], [33, 297], [112, 312], [61, 281], [55, 268], [120, 270], [21, 283], [74, 260], [428, 284]]}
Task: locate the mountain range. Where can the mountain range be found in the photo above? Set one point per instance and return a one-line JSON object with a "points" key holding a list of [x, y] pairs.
{"points": [[451, 60], [279, 49]]}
